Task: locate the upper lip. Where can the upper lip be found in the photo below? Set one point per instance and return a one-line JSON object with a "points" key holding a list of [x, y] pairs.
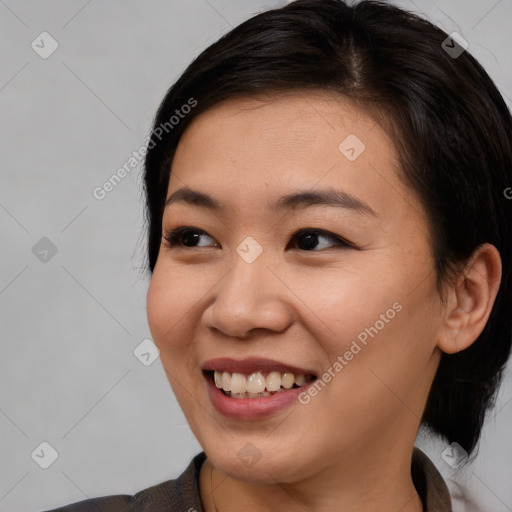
{"points": [[252, 365]]}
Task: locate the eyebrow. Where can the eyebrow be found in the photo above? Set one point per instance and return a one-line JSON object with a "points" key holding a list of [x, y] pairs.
{"points": [[295, 200], [324, 197], [194, 197]]}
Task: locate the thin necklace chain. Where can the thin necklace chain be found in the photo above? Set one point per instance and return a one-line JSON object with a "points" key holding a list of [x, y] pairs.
{"points": [[211, 487]]}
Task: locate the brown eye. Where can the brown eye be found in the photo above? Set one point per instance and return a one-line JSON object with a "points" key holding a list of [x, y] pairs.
{"points": [[314, 239], [190, 238], [187, 237]]}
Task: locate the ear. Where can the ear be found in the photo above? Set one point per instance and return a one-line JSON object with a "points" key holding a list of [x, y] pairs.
{"points": [[470, 300]]}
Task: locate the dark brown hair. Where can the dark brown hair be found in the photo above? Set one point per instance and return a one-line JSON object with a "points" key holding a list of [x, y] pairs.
{"points": [[447, 119]]}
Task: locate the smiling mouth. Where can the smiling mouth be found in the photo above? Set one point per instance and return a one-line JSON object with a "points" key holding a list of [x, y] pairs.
{"points": [[257, 384]]}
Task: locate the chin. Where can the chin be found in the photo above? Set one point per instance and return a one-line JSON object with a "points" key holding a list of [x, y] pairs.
{"points": [[243, 461]]}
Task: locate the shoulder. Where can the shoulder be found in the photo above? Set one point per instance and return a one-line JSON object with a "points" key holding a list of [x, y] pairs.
{"points": [[151, 499], [180, 494]]}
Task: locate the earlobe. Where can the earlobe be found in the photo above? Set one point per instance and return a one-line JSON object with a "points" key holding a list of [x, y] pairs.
{"points": [[470, 300]]}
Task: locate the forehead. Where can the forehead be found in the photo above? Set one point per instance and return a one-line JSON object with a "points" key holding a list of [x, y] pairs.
{"points": [[246, 148], [293, 121]]}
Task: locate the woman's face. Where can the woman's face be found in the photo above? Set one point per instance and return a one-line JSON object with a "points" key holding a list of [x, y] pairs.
{"points": [[262, 285]]}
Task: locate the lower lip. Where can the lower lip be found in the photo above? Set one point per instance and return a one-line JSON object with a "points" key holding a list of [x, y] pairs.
{"points": [[251, 408]]}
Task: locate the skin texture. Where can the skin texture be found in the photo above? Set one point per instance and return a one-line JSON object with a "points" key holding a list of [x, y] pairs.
{"points": [[350, 447]]}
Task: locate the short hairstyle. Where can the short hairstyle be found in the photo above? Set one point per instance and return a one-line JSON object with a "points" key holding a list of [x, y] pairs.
{"points": [[450, 126]]}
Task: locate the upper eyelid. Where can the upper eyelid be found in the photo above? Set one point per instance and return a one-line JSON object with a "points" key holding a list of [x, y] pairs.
{"points": [[171, 233], [337, 238], [184, 229]]}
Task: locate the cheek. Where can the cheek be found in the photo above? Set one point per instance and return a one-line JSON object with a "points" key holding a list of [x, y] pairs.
{"points": [[344, 302], [171, 324], [157, 310], [387, 356], [167, 308], [375, 320], [174, 303]]}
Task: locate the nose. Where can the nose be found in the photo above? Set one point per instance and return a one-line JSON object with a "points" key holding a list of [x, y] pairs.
{"points": [[250, 297]]}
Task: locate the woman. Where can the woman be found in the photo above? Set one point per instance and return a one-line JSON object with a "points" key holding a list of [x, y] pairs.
{"points": [[330, 249]]}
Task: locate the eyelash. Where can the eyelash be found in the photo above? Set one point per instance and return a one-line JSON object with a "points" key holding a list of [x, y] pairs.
{"points": [[173, 238]]}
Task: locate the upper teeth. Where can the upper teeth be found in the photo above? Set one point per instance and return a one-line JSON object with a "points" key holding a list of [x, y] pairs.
{"points": [[256, 382]]}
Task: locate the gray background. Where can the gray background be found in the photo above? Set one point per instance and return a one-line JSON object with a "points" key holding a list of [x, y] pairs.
{"points": [[70, 324]]}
